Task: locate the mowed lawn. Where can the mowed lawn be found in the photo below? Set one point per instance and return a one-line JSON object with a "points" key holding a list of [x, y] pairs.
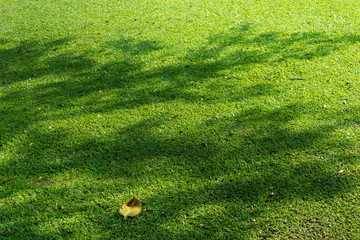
{"points": [[227, 119]]}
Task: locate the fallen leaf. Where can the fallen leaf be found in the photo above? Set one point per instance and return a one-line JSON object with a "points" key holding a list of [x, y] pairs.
{"points": [[131, 208]]}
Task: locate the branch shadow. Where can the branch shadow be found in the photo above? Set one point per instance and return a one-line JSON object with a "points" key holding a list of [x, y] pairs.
{"points": [[138, 154], [139, 157]]}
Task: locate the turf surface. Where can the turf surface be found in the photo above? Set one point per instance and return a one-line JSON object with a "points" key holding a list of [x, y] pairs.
{"points": [[226, 119]]}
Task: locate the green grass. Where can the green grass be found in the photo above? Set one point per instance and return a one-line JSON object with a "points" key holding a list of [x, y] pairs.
{"points": [[227, 119]]}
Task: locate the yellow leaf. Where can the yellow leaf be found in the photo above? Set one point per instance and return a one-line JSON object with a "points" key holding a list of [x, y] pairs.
{"points": [[131, 208]]}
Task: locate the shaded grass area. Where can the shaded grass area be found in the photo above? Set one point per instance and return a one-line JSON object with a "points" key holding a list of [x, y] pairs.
{"points": [[249, 133]]}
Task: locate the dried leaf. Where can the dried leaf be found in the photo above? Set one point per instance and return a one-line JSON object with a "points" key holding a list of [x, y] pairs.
{"points": [[131, 208]]}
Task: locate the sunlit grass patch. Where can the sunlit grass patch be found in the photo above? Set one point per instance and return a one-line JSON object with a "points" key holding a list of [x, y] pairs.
{"points": [[225, 119]]}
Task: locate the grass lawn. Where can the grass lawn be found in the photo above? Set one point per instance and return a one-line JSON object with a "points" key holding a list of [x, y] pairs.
{"points": [[227, 119]]}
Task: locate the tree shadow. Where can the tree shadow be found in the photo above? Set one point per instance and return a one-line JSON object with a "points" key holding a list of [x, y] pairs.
{"points": [[256, 140], [236, 49], [30, 59], [132, 47], [199, 167]]}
